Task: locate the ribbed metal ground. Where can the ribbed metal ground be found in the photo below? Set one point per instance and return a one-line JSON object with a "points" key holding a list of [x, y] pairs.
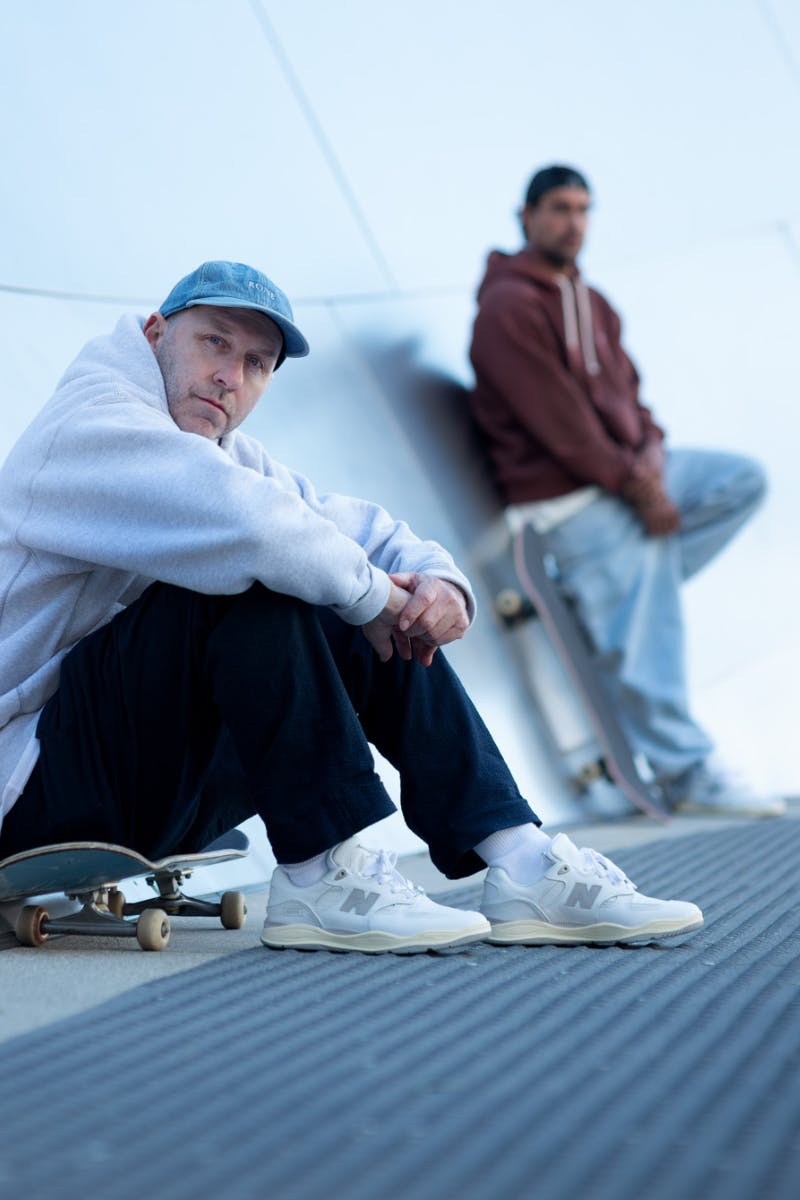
{"points": [[647, 1074]]}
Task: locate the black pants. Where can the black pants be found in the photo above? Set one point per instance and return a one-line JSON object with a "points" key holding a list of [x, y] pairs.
{"points": [[188, 713]]}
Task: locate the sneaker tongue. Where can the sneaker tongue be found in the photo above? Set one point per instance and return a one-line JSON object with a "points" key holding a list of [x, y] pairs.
{"points": [[586, 860], [565, 850], [355, 857]]}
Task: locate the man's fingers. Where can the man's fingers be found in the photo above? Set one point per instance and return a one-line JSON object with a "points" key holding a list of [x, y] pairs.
{"points": [[382, 648], [423, 653], [442, 631], [379, 635], [434, 613], [403, 646], [404, 579], [417, 606], [662, 524]]}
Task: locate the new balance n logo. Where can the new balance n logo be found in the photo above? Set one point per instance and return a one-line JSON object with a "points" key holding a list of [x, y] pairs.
{"points": [[582, 895], [362, 902]]}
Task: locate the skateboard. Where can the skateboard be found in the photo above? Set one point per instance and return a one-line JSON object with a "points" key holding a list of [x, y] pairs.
{"points": [[90, 872], [537, 574]]}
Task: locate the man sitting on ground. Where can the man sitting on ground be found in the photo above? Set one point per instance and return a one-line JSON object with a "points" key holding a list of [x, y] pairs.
{"points": [[177, 608]]}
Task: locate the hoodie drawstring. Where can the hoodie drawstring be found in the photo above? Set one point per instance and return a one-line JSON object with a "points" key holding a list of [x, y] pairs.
{"points": [[578, 331]]}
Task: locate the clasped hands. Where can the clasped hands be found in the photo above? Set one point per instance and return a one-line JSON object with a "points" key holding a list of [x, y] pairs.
{"points": [[422, 613], [645, 492]]}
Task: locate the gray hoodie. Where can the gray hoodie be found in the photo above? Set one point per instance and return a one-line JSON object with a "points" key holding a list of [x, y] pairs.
{"points": [[103, 494]]}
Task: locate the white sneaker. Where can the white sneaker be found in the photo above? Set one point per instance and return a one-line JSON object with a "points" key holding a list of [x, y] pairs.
{"points": [[583, 898], [717, 790], [363, 903]]}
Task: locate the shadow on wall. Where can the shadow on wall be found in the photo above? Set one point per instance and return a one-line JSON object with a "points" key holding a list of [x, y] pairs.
{"points": [[432, 408]]}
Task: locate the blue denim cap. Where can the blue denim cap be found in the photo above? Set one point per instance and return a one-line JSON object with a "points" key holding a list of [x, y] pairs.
{"points": [[235, 285]]}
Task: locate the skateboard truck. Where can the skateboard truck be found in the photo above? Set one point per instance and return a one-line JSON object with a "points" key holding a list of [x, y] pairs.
{"points": [[231, 907], [90, 873], [94, 919]]}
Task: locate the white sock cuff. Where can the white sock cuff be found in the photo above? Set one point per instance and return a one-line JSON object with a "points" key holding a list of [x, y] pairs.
{"points": [[303, 874], [509, 841]]}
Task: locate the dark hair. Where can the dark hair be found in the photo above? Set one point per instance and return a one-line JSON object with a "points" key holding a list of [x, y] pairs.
{"points": [[553, 177]]}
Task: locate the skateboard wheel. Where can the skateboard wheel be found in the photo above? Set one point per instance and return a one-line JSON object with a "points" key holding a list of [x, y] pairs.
{"points": [[116, 902], [588, 773], [233, 910], [152, 929], [508, 602], [29, 925]]}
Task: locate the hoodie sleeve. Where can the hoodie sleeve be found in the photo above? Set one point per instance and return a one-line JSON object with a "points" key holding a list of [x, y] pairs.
{"points": [[650, 431], [388, 544], [516, 355], [119, 485]]}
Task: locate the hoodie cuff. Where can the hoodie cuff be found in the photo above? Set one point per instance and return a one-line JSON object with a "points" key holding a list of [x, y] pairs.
{"points": [[370, 604]]}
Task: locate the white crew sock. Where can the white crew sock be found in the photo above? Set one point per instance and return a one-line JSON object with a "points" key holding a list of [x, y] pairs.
{"points": [[519, 851], [303, 874]]}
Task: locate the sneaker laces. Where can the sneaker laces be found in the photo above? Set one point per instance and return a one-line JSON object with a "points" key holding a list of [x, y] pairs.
{"points": [[594, 861], [385, 871]]}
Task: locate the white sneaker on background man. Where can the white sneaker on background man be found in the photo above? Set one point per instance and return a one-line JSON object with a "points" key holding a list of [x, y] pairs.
{"points": [[712, 788]]}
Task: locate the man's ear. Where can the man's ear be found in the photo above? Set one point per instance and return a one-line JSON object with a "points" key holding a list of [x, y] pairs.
{"points": [[524, 216], [154, 328]]}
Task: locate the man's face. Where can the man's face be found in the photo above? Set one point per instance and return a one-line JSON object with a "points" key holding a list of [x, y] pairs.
{"points": [[556, 225], [216, 364]]}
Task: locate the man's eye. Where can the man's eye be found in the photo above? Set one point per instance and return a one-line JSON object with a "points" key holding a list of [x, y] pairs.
{"points": [[256, 362], [214, 339]]}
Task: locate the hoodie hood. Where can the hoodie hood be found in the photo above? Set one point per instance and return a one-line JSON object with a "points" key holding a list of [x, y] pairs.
{"points": [[501, 266]]}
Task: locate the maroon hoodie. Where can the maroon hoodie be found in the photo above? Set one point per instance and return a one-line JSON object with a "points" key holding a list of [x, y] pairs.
{"points": [[556, 396]]}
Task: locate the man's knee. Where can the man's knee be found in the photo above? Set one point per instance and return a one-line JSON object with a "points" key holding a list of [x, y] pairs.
{"points": [[178, 621], [260, 625], [745, 485], [259, 607], [754, 480], [256, 604], [719, 480]]}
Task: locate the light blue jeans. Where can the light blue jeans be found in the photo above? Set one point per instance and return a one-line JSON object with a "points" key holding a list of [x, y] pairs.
{"points": [[625, 587]]}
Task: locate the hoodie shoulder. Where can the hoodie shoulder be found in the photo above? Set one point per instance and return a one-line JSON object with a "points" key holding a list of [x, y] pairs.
{"points": [[513, 275], [122, 356]]}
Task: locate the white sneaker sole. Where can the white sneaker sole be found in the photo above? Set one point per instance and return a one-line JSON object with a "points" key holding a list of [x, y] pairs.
{"points": [[309, 937], [541, 933]]}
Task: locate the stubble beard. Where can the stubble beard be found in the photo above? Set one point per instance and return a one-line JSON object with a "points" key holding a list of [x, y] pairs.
{"points": [[179, 395]]}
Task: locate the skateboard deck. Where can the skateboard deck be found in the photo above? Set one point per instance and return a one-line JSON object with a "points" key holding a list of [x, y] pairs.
{"points": [[537, 577], [90, 872]]}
